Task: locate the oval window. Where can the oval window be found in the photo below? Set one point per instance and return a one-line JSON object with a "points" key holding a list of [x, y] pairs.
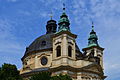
{"points": [[44, 60]]}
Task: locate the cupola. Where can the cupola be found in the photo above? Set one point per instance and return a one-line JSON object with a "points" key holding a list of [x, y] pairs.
{"points": [[92, 40], [63, 22], [51, 26]]}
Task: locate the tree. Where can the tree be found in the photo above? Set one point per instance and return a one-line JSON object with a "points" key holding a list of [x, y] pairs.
{"points": [[9, 72], [41, 76], [47, 76], [61, 77]]}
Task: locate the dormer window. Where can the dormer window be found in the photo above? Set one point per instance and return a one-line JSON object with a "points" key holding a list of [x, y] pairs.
{"points": [[43, 43]]}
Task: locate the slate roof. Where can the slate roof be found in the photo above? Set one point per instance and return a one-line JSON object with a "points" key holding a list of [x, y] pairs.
{"points": [[37, 45]]}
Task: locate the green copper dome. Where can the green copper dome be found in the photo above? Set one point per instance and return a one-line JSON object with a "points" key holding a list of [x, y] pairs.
{"points": [[92, 40], [63, 18], [93, 35], [63, 23]]}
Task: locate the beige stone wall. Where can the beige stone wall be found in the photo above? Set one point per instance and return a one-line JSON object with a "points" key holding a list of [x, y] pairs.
{"points": [[98, 53], [38, 57], [34, 61], [64, 41], [63, 61], [82, 63], [28, 64], [87, 76]]}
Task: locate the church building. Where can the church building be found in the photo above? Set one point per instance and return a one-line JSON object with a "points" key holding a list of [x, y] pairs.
{"points": [[57, 52]]}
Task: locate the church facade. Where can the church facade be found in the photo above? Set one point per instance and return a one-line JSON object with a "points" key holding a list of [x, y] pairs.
{"points": [[57, 52]]}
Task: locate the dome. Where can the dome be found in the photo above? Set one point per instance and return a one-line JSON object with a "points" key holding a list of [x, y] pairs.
{"points": [[42, 43]]}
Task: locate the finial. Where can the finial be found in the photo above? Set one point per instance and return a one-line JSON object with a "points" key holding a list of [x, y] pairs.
{"points": [[92, 25], [51, 15], [64, 7]]}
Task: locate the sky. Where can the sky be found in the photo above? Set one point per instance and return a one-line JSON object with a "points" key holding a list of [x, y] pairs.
{"points": [[22, 21]]}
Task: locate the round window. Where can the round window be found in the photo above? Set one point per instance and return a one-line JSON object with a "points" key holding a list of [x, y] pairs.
{"points": [[44, 60]]}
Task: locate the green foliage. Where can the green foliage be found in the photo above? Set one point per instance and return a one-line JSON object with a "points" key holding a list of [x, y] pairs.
{"points": [[47, 76], [41, 76], [61, 77], [9, 72]]}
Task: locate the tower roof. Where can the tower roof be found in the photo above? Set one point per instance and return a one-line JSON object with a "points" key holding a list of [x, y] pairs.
{"points": [[64, 22], [92, 40]]}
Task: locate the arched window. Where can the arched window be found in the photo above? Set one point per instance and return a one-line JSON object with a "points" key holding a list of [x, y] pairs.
{"points": [[25, 63], [97, 59], [58, 51], [69, 51]]}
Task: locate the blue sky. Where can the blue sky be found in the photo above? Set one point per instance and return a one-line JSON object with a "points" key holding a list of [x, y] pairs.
{"points": [[22, 21]]}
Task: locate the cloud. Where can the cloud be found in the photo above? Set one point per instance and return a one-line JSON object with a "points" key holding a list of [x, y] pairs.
{"points": [[12, 0], [10, 48], [25, 13]]}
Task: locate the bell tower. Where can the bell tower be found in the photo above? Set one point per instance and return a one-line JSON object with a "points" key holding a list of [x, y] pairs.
{"points": [[63, 44], [93, 52]]}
